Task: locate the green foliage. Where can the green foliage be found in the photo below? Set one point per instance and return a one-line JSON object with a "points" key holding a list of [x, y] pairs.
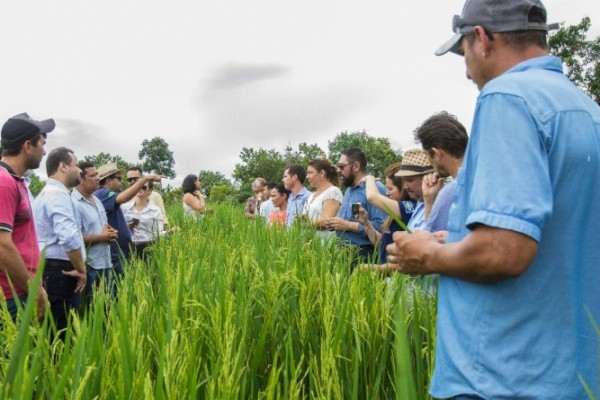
{"points": [[230, 309], [580, 56], [36, 184], [305, 154], [156, 157], [379, 152], [222, 193], [107, 158], [210, 179]]}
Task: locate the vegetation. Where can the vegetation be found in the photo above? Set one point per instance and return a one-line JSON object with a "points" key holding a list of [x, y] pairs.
{"points": [[157, 157], [229, 309], [580, 55]]}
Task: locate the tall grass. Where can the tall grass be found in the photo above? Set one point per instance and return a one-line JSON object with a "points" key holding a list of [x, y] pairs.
{"points": [[227, 309]]}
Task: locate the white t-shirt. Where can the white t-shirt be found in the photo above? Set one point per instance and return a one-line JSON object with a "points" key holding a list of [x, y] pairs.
{"points": [[314, 206]]}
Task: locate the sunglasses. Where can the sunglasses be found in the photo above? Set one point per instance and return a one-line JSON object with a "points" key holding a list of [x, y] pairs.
{"points": [[145, 188], [131, 180]]}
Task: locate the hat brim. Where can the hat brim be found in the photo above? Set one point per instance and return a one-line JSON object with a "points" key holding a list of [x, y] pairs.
{"points": [[451, 45], [119, 171], [406, 173], [46, 126]]}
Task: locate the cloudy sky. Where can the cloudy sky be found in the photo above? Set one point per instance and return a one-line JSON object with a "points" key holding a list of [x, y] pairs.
{"points": [[211, 77]]}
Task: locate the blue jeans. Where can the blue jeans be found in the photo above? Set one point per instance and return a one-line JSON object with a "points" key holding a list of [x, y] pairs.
{"points": [[13, 308], [94, 278]]}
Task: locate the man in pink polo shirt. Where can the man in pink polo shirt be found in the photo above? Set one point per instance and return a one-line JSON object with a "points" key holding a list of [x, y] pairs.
{"points": [[23, 141]]}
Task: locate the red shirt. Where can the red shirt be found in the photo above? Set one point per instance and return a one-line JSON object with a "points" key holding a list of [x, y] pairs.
{"points": [[16, 217], [278, 217]]}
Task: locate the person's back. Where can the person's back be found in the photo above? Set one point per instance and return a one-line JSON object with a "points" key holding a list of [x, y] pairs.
{"points": [[559, 159]]}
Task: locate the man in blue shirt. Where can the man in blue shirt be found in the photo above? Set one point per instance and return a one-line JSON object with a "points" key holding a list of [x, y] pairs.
{"points": [[352, 167], [293, 180], [59, 235], [97, 234], [518, 296], [112, 196], [444, 139]]}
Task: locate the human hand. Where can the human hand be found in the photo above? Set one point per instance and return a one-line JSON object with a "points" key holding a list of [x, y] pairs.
{"points": [[363, 216], [154, 177], [81, 279], [409, 252], [41, 303], [336, 224], [431, 186], [109, 233]]}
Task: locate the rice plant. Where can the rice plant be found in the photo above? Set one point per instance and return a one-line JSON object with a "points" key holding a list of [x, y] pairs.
{"points": [[230, 309]]}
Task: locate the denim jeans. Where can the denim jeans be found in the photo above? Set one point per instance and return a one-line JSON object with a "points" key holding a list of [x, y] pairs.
{"points": [[61, 290], [13, 308], [94, 278]]}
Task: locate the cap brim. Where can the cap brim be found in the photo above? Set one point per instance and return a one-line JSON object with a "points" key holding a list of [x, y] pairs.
{"points": [[452, 45], [404, 173], [46, 125]]}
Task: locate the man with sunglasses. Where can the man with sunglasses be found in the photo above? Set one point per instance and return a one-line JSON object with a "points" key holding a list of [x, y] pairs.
{"points": [[518, 298], [352, 167], [112, 197]]}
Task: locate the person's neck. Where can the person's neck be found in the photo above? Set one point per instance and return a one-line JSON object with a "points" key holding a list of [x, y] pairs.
{"points": [[297, 189], [86, 195], [61, 178], [140, 204], [456, 163], [507, 57], [16, 164], [323, 186], [283, 207], [357, 178]]}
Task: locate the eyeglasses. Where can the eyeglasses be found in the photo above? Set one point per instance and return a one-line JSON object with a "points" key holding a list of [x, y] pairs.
{"points": [[342, 166], [131, 180]]}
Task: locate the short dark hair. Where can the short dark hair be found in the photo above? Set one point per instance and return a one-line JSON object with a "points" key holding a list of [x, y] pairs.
{"points": [[138, 169], [189, 183], [14, 151], [83, 165], [280, 187], [443, 131], [298, 170], [56, 156], [522, 39], [271, 185], [355, 154]]}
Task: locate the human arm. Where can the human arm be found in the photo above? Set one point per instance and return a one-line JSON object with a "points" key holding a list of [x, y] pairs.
{"points": [[363, 219], [108, 234], [80, 271], [196, 202], [129, 193], [329, 210], [431, 186], [486, 255], [13, 266], [376, 198]]}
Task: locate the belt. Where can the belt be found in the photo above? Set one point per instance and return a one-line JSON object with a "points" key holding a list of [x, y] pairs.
{"points": [[53, 262]]}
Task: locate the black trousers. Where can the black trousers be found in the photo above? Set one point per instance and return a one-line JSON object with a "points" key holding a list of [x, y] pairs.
{"points": [[61, 290]]}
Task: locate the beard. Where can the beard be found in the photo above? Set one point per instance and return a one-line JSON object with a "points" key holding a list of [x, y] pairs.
{"points": [[348, 180]]}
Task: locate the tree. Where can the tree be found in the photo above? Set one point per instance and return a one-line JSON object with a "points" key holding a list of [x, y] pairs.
{"points": [[580, 56], [35, 184], [156, 157], [222, 193], [267, 164], [305, 154], [379, 152], [211, 179], [106, 158]]}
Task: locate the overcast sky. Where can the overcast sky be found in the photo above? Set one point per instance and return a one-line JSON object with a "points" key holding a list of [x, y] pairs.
{"points": [[211, 77]]}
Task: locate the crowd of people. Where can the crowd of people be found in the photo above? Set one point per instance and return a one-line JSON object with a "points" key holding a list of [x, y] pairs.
{"points": [[507, 218]]}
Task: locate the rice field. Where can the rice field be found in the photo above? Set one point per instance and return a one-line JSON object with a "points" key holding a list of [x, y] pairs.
{"points": [[230, 309]]}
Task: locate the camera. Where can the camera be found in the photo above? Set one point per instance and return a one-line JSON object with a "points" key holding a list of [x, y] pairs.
{"points": [[355, 208]]}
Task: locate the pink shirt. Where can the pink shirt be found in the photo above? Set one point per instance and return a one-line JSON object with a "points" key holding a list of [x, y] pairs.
{"points": [[16, 217]]}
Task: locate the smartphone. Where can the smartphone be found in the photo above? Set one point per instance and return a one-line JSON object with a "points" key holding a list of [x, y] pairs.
{"points": [[355, 208], [135, 221]]}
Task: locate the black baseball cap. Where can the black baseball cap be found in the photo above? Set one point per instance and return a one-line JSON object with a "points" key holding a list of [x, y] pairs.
{"points": [[21, 128]]}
